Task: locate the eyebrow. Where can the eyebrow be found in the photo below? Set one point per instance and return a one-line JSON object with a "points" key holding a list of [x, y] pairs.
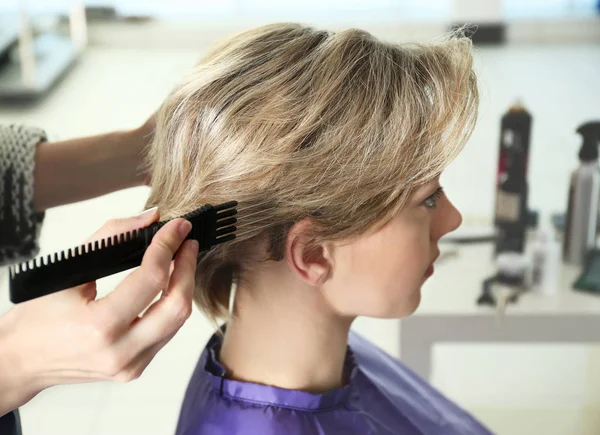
{"points": [[421, 193], [429, 185]]}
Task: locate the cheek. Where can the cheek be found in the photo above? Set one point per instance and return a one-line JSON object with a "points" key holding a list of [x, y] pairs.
{"points": [[381, 275]]}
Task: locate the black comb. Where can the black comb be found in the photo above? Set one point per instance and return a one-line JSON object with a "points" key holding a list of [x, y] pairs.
{"points": [[211, 225]]}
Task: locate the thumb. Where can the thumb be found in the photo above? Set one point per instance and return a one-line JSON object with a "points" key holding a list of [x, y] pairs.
{"points": [[118, 226]]}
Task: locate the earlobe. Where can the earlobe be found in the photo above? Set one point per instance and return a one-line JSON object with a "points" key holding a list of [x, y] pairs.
{"points": [[310, 262]]}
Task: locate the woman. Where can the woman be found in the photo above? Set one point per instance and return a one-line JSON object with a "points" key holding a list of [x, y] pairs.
{"points": [[334, 144]]}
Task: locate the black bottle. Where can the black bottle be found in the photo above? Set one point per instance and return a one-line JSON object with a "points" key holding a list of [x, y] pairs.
{"points": [[511, 216]]}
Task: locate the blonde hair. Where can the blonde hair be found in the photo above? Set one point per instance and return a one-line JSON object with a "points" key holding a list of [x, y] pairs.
{"points": [[297, 122]]}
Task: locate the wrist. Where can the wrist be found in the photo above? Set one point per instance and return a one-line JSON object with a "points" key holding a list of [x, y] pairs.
{"points": [[18, 380], [130, 147]]}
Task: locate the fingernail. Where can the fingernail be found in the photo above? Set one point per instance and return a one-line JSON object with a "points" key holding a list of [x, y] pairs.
{"points": [[194, 246], [147, 213], [184, 228]]}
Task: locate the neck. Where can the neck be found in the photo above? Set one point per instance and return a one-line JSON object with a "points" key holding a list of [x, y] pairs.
{"points": [[285, 336]]}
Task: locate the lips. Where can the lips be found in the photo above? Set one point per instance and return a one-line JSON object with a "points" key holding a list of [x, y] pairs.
{"points": [[431, 269]]}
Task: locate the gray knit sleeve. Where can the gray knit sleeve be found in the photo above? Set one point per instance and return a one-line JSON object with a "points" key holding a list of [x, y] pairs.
{"points": [[20, 225]]}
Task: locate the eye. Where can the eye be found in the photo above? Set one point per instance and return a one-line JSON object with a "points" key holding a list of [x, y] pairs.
{"points": [[431, 202]]}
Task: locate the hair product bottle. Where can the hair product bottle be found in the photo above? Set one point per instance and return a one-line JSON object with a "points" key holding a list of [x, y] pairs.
{"points": [[584, 189], [511, 212]]}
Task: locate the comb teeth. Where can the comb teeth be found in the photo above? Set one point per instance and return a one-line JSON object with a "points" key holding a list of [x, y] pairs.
{"points": [[226, 214], [226, 222], [210, 222], [225, 231], [224, 239], [226, 205]]}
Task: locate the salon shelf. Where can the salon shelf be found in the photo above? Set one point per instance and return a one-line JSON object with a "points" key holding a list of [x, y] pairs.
{"points": [[54, 54], [449, 314], [472, 265]]}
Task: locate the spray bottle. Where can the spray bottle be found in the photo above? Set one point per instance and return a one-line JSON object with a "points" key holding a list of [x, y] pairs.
{"points": [[584, 192], [515, 125], [511, 211]]}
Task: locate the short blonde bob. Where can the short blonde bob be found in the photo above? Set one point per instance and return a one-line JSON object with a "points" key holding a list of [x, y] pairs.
{"points": [[296, 123]]}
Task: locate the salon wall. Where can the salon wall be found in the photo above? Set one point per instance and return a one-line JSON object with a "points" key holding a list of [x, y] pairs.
{"points": [[536, 389]]}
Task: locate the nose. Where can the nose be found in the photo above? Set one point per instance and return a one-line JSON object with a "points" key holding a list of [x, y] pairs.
{"points": [[448, 220]]}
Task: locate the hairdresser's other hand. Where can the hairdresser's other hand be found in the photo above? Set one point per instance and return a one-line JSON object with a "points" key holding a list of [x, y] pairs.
{"points": [[72, 337], [141, 137]]}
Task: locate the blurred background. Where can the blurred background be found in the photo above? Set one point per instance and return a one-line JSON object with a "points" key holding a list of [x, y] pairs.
{"points": [[81, 68]]}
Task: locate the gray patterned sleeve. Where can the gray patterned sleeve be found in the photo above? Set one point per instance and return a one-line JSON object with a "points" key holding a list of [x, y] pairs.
{"points": [[20, 224]]}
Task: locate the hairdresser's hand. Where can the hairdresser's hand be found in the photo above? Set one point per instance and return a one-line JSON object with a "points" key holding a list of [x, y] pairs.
{"points": [[70, 337]]}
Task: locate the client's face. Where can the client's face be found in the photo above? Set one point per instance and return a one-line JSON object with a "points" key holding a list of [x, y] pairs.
{"points": [[380, 274]]}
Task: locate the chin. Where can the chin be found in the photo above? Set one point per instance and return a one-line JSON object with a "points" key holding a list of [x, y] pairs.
{"points": [[409, 309], [404, 307]]}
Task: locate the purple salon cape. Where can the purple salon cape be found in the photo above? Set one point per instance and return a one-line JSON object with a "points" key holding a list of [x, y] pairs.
{"points": [[383, 397]]}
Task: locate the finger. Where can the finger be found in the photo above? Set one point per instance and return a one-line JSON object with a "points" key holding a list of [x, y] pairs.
{"points": [[119, 226], [183, 274], [168, 314], [141, 286]]}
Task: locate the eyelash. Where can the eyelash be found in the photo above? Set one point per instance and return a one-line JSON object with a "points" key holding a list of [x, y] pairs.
{"points": [[431, 202]]}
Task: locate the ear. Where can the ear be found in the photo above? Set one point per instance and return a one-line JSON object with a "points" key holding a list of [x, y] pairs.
{"points": [[312, 263]]}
